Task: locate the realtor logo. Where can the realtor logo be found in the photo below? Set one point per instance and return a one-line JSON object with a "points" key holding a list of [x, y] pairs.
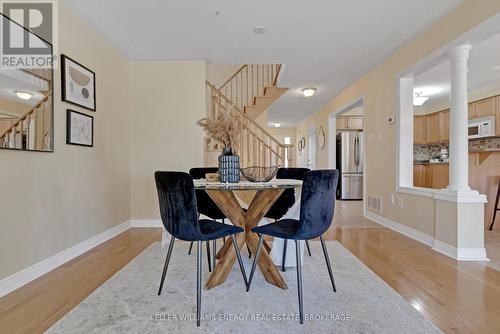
{"points": [[28, 33]]}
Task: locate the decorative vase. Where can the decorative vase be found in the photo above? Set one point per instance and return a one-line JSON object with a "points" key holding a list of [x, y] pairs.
{"points": [[229, 166]]}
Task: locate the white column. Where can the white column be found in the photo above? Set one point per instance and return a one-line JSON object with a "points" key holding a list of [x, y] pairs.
{"points": [[459, 142]]}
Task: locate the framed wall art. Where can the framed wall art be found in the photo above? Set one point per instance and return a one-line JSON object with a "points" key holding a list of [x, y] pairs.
{"points": [[79, 128], [78, 84]]}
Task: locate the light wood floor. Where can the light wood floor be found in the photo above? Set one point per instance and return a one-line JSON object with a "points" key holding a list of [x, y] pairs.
{"points": [[457, 297]]}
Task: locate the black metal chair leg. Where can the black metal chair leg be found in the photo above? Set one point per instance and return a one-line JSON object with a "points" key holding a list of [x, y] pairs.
{"points": [[223, 222], [198, 284], [256, 258], [240, 261], [208, 257], [249, 252], [496, 208], [167, 261], [299, 280], [327, 259], [308, 248], [285, 244], [190, 247], [214, 252]]}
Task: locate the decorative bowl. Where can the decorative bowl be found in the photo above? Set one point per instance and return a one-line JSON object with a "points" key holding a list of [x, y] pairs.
{"points": [[259, 174]]}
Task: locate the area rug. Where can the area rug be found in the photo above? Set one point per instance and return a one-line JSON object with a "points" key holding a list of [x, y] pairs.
{"points": [[128, 301]]}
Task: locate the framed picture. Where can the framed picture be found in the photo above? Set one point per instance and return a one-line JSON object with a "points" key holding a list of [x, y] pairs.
{"points": [[79, 128], [78, 84]]}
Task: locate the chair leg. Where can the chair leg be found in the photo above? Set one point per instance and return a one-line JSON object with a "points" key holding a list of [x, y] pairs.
{"points": [[224, 238], [190, 247], [167, 261], [240, 261], [198, 283], [256, 258], [249, 252], [495, 208], [308, 248], [299, 280], [214, 252], [285, 244], [327, 259], [208, 257]]}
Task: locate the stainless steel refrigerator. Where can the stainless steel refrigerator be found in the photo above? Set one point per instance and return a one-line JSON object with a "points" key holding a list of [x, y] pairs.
{"points": [[350, 165]]}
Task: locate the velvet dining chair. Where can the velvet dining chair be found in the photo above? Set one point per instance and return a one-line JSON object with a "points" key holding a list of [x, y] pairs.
{"points": [[206, 206], [178, 209], [285, 202], [317, 206]]}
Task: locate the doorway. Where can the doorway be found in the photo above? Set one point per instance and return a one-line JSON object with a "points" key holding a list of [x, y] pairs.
{"points": [[311, 148]]}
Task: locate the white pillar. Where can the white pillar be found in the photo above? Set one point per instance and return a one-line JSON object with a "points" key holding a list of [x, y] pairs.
{"points": [[459, 118]]}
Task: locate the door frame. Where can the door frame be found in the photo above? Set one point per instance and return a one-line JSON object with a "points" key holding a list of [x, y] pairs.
{"points": [[332, 138], [312, 130]]}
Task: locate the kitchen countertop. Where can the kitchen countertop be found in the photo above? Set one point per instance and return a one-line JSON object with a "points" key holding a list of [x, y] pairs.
{"points": [[424, 162]]}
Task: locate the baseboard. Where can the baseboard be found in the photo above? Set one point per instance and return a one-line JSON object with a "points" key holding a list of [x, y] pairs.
{"points": [[460, 254], [27, 275], [146, 223], [400, 228]]}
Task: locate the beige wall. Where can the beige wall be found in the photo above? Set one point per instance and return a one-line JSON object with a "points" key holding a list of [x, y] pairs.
{"points": [[484, 177], [378, 87], [56, 200], [167, 98], [218, 74]]}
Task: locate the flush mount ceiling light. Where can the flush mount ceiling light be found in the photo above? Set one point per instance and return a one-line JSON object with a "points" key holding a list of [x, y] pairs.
{"points": [[259, 30], [277, 124], [23, 95], [308, 92], [418, 99]]}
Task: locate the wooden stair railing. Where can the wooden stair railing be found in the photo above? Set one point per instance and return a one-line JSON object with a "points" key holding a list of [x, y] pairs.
{"points": [[257, 147], [249, 82], [13, 136]]}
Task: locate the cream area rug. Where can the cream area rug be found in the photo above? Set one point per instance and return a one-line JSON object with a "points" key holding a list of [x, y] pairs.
{"points": [[128, 301]]}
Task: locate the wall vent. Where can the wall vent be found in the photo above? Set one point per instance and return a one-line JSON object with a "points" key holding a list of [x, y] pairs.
{"points": [[374, 204]]}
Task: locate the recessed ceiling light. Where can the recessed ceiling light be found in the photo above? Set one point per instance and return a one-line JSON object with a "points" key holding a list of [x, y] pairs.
{"points": [[259, 30], [308, 92], [23, 95]]}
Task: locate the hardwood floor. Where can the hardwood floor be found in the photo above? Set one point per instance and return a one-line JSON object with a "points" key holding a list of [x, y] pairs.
{"points": [[457, 297]]}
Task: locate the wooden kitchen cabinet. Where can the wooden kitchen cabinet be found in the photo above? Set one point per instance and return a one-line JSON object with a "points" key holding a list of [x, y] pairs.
{"points": [[472, 110], [350, 123], [355, 123], [434, 127], [434, 176], [484, 108], [445, 134], [420, 130]]}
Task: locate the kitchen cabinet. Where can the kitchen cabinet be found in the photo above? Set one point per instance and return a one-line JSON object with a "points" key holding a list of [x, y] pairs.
{"points": [[434, 176], [484, 108], [420, 130], [445, 134], [350, 123], [434, 127]]}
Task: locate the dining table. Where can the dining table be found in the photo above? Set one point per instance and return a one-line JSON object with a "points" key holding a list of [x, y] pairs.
{"points": [[233, 199]]}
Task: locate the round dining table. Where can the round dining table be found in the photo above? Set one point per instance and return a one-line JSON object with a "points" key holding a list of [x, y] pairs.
{"points": [[230, 198]]}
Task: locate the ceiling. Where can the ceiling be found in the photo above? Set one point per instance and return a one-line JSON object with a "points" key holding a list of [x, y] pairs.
{"points": [[327, 44], [484, 73]]}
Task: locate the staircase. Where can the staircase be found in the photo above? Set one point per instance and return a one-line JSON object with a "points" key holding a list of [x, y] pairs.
{"points": [[249, 92]]}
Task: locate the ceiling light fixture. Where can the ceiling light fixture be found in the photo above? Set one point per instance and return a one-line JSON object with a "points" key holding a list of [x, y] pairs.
{"points": [[308, 92], [23, 95], [259, 30], [277, 124], [418, 99]]}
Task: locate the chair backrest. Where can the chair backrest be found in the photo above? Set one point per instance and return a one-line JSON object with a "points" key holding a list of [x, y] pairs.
{"points": [[178, 205], [205, 204], [317, 203], [287, 198]]}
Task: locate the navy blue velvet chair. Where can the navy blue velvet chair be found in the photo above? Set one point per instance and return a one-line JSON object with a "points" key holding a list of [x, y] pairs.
{"points": [[317, 206], [286, 201], [207, 207], [179, 214]]}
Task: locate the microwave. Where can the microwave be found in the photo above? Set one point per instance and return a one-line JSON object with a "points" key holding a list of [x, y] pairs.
{"points": [[482, 127]]}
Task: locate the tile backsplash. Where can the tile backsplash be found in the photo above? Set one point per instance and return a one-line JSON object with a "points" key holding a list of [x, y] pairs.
{"points": [[427, 151]]}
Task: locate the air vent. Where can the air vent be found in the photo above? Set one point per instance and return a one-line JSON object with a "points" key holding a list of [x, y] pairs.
{"points": [[374, 204]]}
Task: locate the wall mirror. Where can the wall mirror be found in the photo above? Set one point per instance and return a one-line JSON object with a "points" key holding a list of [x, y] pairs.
{"points": [[26, 104]]}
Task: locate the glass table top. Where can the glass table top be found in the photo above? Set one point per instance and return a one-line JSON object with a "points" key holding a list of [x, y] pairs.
{"points": [[247, 185]]}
